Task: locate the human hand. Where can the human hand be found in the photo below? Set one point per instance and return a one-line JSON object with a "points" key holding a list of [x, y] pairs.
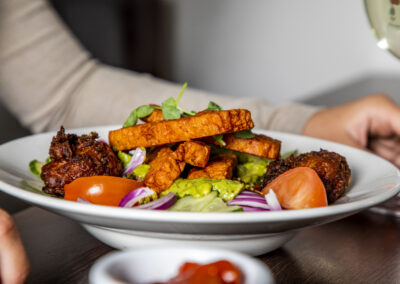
{"points": [[14, 264], [371, 123]]}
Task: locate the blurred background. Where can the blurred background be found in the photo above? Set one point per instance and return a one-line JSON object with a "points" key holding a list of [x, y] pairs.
{"points": [[278, 50], [314, 51]]}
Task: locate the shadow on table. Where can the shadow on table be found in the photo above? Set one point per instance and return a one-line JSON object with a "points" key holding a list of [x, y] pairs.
{"points": [[284, 267]]}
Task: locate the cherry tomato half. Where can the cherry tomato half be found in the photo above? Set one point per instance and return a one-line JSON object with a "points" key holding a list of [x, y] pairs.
{"points": [[298, 188], [104, 190]]}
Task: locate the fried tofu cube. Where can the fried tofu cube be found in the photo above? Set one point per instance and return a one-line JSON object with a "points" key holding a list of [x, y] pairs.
{"points": [[195, 153], [165, 169], [221, 167]]}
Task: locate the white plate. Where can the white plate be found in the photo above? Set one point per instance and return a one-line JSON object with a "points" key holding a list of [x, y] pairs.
{"points": [[374, 181], [162, 263]]}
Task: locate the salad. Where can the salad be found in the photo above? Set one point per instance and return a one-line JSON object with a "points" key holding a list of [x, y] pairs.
{"points": [[180, 160]]}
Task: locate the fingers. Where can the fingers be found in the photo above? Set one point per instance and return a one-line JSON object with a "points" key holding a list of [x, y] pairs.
{"points": [[384, 115], [14, 264], [353, 123], [387, 148], [330, 124]]}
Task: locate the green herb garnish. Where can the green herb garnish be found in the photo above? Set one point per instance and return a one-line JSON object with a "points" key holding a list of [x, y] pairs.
{"points": [[213, 106], [171, 109], [144, 111], [131, 120], [246, 134], [139, 112], [219, 139]]}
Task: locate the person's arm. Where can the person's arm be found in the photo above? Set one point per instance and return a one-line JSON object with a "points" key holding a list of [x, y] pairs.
{"points": [[14, 264], [372, 123], [48, 79]]}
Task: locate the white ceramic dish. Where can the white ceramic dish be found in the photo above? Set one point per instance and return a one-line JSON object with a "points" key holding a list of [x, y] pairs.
{"points": [[162, 263], [374, 181]]}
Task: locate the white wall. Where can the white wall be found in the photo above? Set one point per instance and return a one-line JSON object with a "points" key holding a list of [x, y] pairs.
{"points": [[278, 50]]}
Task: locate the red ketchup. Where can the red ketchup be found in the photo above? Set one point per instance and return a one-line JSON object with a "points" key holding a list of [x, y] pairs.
{"points": [[219, 272]]}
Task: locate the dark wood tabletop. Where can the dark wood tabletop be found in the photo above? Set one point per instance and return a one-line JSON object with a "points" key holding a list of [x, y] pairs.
{"points": [[363, 248]]}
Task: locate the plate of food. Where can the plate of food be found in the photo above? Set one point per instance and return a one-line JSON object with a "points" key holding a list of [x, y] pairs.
{"points": [[197, 179]]}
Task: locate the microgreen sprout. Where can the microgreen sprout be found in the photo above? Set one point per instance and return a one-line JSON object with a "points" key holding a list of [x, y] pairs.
{"points": [[246, 134], [171, 109], [139, 112], [219, 139], [213, 106]]}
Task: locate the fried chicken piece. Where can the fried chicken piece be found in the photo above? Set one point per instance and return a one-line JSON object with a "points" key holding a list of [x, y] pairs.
{"points": [[195, 153], [260, 145], [75, 156], [278, 167], [221, 167], [63, 145], [331, 167], [178, 130], [165, 169], [155, 116]]}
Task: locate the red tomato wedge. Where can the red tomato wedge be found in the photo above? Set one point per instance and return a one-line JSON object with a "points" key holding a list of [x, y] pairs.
{"points": [[298, 188], [104, 190]]}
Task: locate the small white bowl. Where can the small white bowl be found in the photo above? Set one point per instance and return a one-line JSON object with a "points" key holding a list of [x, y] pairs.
{"points": [[162, 263]]}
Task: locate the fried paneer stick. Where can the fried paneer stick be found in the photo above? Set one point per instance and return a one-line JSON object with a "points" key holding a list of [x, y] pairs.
{"points": [[219, 168], [203, 124], [261, 145], [195, 153], [165, 169]]}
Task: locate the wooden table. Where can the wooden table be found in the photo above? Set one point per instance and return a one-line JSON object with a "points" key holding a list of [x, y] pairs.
{"points": [[364, 248]]}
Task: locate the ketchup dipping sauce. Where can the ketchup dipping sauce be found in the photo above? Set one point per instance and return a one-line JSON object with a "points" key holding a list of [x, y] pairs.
{"points": [[219, 272]]}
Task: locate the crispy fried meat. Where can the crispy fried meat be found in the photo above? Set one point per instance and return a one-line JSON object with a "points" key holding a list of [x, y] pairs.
{"points": [[220, 167], [331, 167], [188, 128], [75, 156]]}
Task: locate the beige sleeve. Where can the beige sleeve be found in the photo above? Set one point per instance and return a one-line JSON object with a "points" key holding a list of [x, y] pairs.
{"points": [[48, 79]]}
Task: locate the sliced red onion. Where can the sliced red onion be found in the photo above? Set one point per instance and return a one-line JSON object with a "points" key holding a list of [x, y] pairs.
{"points": [[102, 140], [250, 199], [133, 197], [273, 201], [82, 200], [249, 193], [138, 156], [252, 209], [160, 204]]}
